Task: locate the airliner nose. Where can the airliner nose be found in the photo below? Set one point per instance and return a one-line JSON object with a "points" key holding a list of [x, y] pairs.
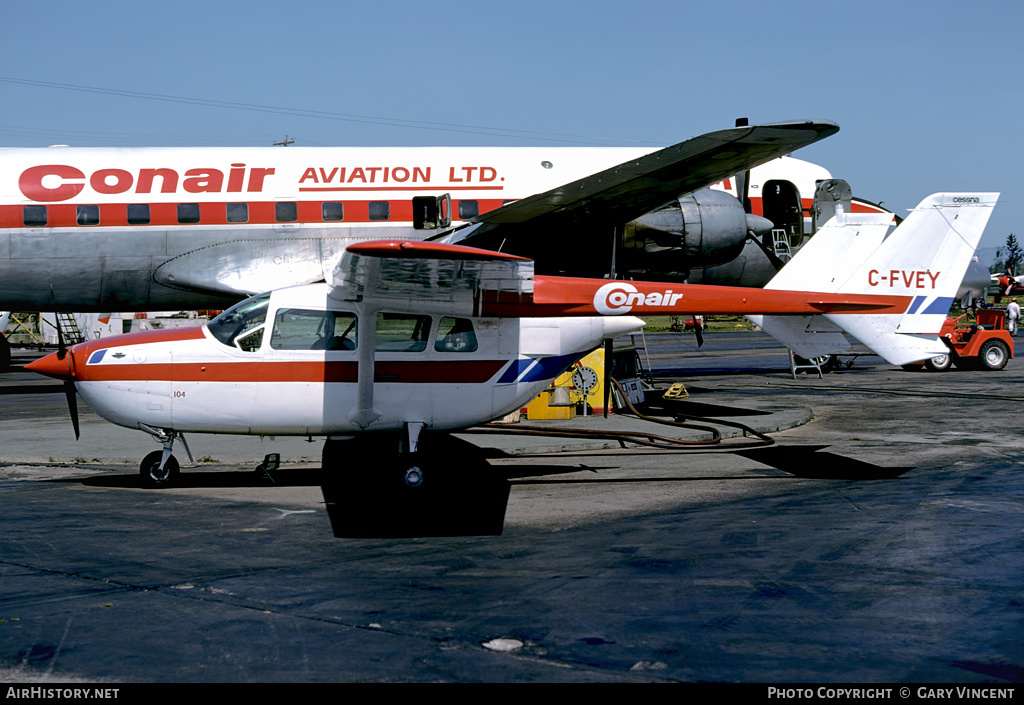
{"points": [[53, 365]]}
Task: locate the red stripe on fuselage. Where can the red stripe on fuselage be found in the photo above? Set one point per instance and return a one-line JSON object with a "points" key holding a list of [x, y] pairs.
{"points": [[424, 372]]}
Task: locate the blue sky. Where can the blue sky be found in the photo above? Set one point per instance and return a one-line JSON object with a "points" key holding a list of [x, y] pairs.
{"points": [[929, 95]]}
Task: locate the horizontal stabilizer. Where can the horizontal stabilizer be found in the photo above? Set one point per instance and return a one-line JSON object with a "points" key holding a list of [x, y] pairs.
{"points": [[807, 336]]}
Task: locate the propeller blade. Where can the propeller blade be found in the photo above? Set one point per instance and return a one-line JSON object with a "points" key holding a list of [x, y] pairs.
{"points": [[70, 393], [772, 257], [743, 177], [607, 373], [698, 333]]}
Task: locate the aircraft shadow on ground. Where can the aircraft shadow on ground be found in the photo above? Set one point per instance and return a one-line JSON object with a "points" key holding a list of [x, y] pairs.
{"points": [[810, 462], [695, 409], [458, 504], [470, 501]]}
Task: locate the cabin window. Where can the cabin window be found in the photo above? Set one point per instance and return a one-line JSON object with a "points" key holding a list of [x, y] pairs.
{"points": [[188, 213], [286, 212], [455, 335], [400, 332], [87, 215], [138, 214], [468, 209], [34, 216], [242, 324], [380, 210], [299, 329], [237, 212], [333, 211]]}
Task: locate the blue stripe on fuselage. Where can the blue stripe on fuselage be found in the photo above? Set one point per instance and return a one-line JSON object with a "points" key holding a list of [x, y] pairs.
{"points": [[527, 370]]}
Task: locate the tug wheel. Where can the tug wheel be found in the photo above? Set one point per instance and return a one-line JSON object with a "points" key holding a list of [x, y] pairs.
{"points": [[994, 355]]}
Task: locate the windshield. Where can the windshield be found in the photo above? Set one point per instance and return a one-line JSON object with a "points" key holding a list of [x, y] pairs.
{"points": [[239, 319]]}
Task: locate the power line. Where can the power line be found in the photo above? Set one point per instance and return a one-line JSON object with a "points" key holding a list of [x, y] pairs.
{"points": [[318, 114]]}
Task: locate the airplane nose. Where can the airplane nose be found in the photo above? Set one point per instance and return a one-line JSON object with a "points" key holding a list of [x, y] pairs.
{"points": [[53, 365]]}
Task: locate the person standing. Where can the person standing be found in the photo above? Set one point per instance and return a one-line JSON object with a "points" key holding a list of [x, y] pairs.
{"points": [[1012, 316]]}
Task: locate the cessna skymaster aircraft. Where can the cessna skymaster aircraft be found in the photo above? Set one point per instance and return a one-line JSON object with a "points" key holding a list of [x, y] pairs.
{"points": [[407, 337]]}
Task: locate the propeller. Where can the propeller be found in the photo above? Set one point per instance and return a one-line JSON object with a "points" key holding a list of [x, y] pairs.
{"points": [[608, 354], [70, 393], [756, 225]]}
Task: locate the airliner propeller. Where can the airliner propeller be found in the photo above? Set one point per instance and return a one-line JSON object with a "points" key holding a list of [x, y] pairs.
{"points": [[756, 225]]}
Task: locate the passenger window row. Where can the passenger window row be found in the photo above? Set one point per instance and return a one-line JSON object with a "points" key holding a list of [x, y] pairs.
{"points": [[299, 329], [37, 216], [243, 324]]}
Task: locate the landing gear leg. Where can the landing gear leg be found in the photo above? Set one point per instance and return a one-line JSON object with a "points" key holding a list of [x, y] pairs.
{"points": [[410, 458], [160, 468]]}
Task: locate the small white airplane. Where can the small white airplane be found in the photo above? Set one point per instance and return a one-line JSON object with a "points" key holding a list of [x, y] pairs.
{"points": [[407, 338]]}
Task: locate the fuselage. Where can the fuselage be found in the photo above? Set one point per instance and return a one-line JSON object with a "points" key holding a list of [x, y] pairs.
{"points": [[199, 228], [289, 363]]}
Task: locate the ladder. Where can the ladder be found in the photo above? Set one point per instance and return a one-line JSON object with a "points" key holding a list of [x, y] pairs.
{"points": [[68, 327], [780, 245]]}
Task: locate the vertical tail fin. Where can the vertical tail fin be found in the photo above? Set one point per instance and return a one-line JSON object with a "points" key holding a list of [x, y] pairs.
{"points": [[924, 259], [823, 263]]}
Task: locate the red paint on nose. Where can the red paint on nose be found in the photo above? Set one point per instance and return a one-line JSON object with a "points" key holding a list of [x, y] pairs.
{"points": [[53, 365]]}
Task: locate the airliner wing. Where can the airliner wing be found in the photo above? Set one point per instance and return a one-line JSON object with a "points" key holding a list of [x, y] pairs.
{"points": [[629, 190]]}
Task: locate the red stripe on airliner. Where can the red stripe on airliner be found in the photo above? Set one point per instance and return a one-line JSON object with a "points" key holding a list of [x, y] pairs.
{"points": [[64, 215], [425, 372]]}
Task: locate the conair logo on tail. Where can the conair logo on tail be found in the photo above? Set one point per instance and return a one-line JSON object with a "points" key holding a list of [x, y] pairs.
{"points": [[913, 279]]}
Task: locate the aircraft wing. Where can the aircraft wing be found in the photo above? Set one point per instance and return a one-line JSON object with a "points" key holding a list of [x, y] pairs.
{"points": [[627, 191], [429, 277]]}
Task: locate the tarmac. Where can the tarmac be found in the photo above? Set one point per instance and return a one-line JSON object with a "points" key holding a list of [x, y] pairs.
{"points": [[875, 538]]}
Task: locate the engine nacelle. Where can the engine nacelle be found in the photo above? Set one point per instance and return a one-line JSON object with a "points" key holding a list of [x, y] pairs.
{"points": [[702, 229]]}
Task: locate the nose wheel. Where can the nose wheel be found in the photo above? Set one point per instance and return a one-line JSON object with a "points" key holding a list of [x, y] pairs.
{"points": [[157, 472], [160, 468]]}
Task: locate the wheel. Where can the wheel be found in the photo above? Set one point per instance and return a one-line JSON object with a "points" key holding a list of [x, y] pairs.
{"points": [[5, 353], [413, 476], [939, 363], [994, 354], [152, 476]]}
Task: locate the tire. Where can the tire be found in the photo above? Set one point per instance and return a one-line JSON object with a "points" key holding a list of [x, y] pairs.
{"points": [[5, 353], [939, 363], [994, 355], [152, 477]]}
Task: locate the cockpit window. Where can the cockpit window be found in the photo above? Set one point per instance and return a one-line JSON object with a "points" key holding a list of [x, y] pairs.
{"points": [[299, 329], [238, 325], [455, 335], [399, 332]]}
